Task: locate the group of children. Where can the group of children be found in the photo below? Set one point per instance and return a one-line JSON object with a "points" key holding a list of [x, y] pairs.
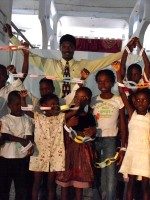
{"points": [[66, 144]]}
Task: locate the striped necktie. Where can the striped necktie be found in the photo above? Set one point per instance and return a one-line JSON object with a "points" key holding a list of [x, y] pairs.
{"points": [[66, 87]]}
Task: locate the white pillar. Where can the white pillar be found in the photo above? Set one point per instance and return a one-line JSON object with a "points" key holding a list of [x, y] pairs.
{"points": [[47, 12], [53, 39], [141, 11], [44, 17]]}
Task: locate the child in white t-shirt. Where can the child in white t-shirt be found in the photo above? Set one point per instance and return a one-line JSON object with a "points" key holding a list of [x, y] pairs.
{"points": [[107, 109], [16, 134]]}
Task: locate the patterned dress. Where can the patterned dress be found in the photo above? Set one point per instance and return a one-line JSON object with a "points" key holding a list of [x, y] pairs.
{"points": [[137, 157], [79, 158], [49, 144]]}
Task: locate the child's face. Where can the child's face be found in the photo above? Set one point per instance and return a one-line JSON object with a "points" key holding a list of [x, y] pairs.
{"points": [[81, 98], [15, 107], [3, 78], [135, 75], [54, 104], [104, 83], [45, 89], [141, 103]]}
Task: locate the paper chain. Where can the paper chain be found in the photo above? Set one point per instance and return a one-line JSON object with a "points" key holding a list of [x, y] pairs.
{"points": [[13, 48], [65, 79], [62, 108], [78, 139], [133, 85], [21, 75], [107, 161]]}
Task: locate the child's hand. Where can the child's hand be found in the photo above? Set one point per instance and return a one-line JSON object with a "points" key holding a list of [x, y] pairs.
{"points": [[138, 44], [30, 151], [24, 142], [120, 158], [89, 131], [26, 48], [116, 65], [23, 93], [7, 29], [11, 69], [73, 121], [84, 73], [132, 43]]}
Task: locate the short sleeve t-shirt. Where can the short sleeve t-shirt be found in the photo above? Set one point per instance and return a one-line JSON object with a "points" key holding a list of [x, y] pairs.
{"points": [[106, 112]]}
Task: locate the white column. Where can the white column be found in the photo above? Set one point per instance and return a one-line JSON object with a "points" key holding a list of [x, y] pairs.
{"points": [[141, 11], [44, 17], [53, 38], [48, 19]]}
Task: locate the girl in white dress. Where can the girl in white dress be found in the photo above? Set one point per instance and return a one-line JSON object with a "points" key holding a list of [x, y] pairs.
{"points": [[137, 158]]}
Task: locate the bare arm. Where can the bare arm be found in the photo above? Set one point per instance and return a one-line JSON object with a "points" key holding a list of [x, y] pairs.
{"points": [[23, 95], [25, 66], [123, 127], [123, 133], [70, 114], [145, 59], [123, 63], [130, 110], [12, 138], [131, 44], [7, 29]]}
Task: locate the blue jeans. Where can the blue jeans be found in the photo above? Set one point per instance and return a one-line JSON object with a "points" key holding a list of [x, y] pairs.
{"points": [[106, 148]]}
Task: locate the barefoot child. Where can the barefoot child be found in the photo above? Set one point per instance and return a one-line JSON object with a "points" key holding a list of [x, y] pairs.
{"points": [[137, 158]]}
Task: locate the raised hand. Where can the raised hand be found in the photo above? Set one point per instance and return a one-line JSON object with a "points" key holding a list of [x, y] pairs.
{"points": [[84, 73], [7, 29], [116, 65], [23, 93], [25, 49], [132, 43], [11, 69], [138, 44]]}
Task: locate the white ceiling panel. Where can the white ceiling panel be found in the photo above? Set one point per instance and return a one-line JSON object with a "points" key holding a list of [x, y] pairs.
{"points": [[79, 13]]}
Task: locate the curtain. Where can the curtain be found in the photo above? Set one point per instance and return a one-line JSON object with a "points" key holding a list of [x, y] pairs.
{"points": [[99, 45]]}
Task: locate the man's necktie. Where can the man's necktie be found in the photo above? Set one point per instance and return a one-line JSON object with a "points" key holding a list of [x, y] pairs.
{"points": [[66, 87]]}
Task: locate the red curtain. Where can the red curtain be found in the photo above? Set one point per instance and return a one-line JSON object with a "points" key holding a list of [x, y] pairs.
{"points": [[99, 45]]}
